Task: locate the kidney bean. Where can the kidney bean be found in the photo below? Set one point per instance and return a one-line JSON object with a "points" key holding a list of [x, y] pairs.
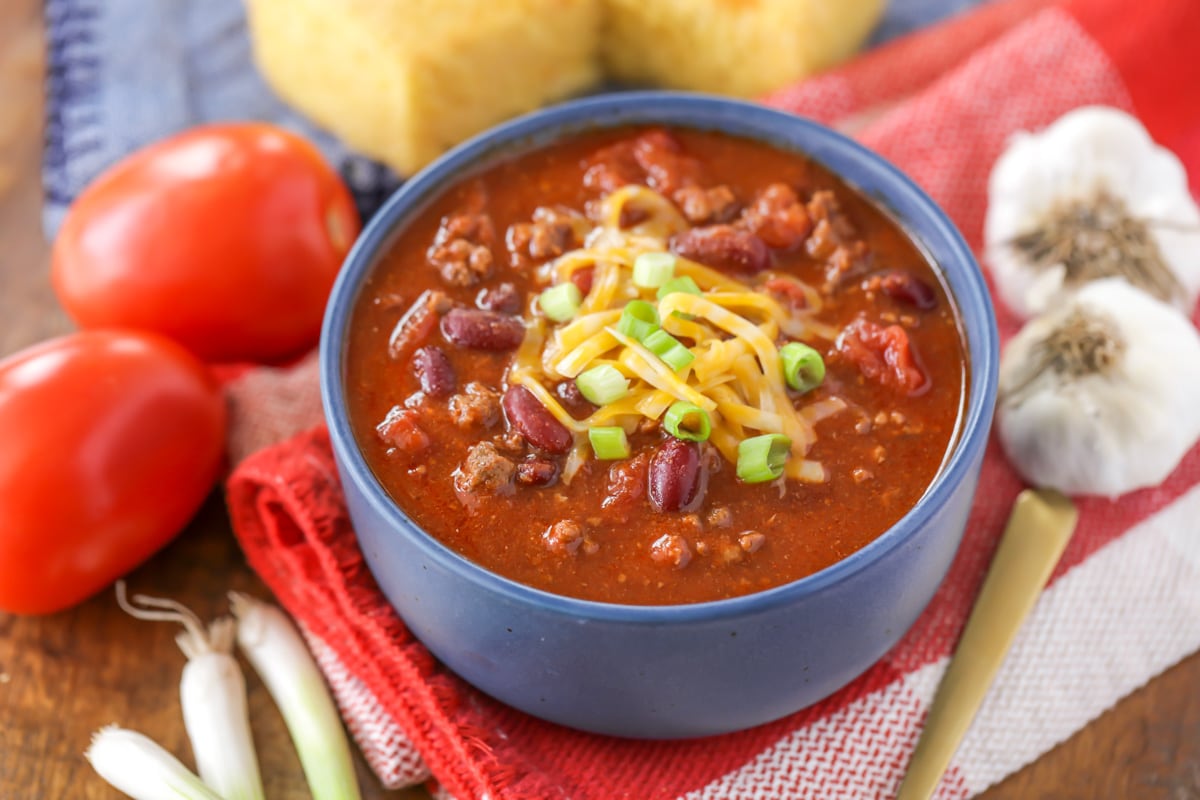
{"points": [[723, 247], [482, 330], [434, 371], [677, 477], [503, 298], [568, 392], [573, 400], [907, 288], [526, 413], [537, 472]]}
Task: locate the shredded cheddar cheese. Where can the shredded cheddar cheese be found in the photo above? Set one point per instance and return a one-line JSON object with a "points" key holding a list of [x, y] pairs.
{"points": [[731, 330]]}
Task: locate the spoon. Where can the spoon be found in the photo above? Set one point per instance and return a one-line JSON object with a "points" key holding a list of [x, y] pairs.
{"points": [[1042, 521]]}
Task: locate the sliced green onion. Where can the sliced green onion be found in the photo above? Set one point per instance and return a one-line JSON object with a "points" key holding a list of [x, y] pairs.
{"points": [[669, 349], [761, 458], [652, 270], [273, 646], [561, 302], [683, 284], [603, 384], [803, 368], [638, 320], [687, 421], [609, 442]]}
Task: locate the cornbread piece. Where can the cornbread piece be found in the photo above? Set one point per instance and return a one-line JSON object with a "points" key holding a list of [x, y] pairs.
{"points": [[737, 47], [404, 80]]}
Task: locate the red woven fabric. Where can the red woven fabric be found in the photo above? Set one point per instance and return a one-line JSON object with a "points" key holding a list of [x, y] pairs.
{"points": [[941, 106]]}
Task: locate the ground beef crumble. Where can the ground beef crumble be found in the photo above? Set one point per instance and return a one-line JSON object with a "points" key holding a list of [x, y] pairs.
{"points": [[484, 470], [563, 537], [704, 206], [462, 249], [671, 549], [778, 217], [552, 232], [476, 406]]}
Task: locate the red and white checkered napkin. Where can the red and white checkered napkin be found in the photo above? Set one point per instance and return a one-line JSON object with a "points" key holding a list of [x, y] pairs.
{"points": [[1123, 605]]}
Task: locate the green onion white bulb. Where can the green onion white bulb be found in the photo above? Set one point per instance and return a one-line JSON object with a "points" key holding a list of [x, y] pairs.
{"points": [[135, 765]]}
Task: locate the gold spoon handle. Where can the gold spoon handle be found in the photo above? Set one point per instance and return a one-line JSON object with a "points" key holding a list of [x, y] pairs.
{"points": [[1038, 529]]}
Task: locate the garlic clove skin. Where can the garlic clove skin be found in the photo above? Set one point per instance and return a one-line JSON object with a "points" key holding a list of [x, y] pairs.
{"points": [[1110, 433], [1088, 150]]}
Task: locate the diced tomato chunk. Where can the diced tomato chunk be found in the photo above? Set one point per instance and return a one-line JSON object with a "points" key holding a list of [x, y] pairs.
{"points": [[789, 291], [417, 324], [778, 217], [667, 168], [612, 167], [582, 278], [654, 158], [626, 487], [883, 354], [401, 430]]}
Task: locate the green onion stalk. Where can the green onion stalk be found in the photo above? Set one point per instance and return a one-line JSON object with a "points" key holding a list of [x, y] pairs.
{"points": [[688, 422], [609, 442], [560, 303], [602, 385], [803, 367], [652, 270], [761, 458], [669, 349], [212, 695], [274, 647], [639, 320]]}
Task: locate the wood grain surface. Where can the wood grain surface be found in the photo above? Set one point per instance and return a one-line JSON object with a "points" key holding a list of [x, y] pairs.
{"points": [[64, 676]]}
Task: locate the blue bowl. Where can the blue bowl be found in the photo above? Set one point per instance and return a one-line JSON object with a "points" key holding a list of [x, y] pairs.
{"points": [[686, 670]]}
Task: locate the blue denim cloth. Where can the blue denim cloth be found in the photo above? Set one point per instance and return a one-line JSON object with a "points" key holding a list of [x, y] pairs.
{"points": [[122, 73]]}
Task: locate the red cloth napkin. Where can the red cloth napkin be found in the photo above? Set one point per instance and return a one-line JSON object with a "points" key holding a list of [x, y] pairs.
{"points": [[1123, 605]]}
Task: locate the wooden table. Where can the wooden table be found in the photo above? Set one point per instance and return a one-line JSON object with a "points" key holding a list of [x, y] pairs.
{"points": [[64, 676]]}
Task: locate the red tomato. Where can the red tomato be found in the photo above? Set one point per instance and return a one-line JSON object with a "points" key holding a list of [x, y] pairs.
{"points": [[111, 441], [226, 238]]}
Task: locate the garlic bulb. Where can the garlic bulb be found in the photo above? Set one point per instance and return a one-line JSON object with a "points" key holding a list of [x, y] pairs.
{"points": [[1089, 197], [1102, 395]]}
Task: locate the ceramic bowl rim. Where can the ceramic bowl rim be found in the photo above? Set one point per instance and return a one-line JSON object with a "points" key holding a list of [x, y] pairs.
{"points": [[640, 108]]}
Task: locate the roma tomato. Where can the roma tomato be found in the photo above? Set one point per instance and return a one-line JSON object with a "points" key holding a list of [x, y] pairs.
{"points": [[111, 441], [225, 238]]}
